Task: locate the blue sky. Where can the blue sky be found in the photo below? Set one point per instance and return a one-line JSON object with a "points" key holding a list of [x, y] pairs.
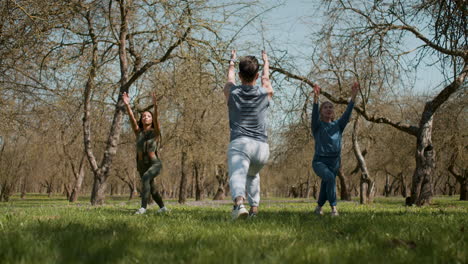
{"points": [[290, 25]]}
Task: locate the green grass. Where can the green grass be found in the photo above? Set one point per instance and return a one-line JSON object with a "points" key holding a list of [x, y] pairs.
{"points": [[50, 230]]}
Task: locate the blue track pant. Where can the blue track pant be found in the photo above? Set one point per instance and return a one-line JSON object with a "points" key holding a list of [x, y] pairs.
{"points": [[326, 168]]}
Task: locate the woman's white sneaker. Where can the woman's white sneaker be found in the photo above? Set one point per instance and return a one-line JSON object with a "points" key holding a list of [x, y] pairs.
{"points": [[318, 210], [140, 211], [334, 213], [163, 210]]}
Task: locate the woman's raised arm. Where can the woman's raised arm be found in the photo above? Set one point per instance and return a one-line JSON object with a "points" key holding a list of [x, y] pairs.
{"points": [[157, 127], [133, 121]]}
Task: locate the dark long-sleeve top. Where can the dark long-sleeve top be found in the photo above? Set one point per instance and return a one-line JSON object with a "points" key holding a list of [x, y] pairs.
{"points": [[328, 135]]}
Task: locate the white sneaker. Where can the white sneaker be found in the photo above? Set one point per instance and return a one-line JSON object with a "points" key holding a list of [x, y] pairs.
{"points": [[239, 212], [140, 211], [318, 210], [163, 210]]}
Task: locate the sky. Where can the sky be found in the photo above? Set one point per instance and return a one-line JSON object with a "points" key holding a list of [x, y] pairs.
{"points": [[290, 25]]}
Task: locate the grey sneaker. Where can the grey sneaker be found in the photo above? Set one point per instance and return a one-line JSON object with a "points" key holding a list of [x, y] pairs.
{"points": [[140, 211], [239, 212], [252, 215], [334, 213], [318, 210], [163, 210]]}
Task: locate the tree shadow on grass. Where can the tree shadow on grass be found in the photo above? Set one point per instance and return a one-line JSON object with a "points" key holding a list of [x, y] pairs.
{"points": [[278, 215], [79, 243], [123, 240]]}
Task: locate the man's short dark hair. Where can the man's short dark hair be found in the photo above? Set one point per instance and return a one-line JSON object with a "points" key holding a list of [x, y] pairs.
{"points": [[248, 68]]}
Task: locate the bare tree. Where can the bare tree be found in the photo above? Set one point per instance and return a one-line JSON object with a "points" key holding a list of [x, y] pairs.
{"points": [[385, 23], [198, 171], [12, 160], [345, 191], [450, 133], [223, 182], [126, 48], [367, 185], [460, 174], [447, 20]]}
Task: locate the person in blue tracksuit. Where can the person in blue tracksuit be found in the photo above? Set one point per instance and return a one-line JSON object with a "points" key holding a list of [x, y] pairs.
{"points": [[327, 133]]}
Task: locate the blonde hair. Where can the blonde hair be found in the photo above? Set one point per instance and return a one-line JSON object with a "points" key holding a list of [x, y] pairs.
{"points": [[320, 110]]}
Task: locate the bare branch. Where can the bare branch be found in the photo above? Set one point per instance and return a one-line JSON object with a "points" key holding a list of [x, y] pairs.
{"points": [[409, 129]]}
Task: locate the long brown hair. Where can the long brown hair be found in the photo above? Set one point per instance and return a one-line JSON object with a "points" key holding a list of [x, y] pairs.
{"points": [[140, 122]]}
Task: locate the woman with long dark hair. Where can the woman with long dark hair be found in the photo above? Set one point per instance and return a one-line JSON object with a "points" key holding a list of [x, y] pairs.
{"points": [[148, 137]]}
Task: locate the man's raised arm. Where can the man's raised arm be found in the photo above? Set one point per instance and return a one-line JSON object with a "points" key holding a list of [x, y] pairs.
{"points": [[231, 76], [266, 83]]}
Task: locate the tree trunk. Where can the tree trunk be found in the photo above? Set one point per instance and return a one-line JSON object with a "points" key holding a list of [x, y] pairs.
{"points": [[307, 192], [67, 190], [404, 190], [112, 189], [191, 185], [130, 181], [101, 172], [387, 188], [367, 189], [367, 186], [99, 185], [461, 176], [314, 190], [421, 187], [403, 187], [450, 186], [345, 192], [422, 183], [48, 184], [79, 177], [222, 177], [355, 189], [133, 191], [98, 191], [464, 189], [451, 189], [10, 174], [6, 191], [199, 181], [362, 191], [23, 187], [183, 178], [392, 187]]}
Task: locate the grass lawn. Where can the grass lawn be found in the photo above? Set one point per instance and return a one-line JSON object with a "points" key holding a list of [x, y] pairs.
{"points": [[51, 230]]}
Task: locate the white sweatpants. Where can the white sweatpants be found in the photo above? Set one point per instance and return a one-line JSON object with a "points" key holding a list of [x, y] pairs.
{"points": [[246, 157]]}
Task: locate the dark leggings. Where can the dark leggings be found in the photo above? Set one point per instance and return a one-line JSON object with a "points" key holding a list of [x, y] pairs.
{"points": [[147, 173]]}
